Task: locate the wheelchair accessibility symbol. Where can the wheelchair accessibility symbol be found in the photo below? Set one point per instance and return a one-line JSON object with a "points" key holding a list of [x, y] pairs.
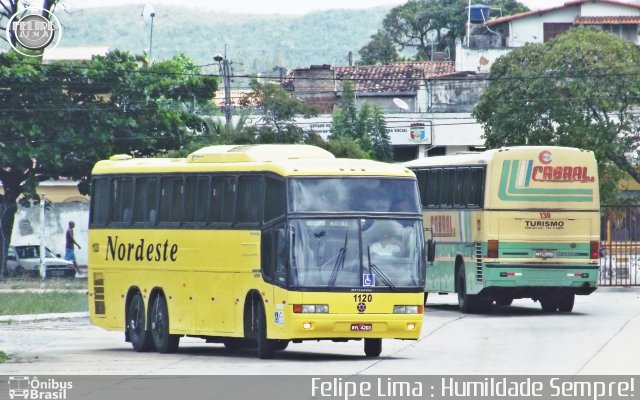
{"points": [[368, 280]]}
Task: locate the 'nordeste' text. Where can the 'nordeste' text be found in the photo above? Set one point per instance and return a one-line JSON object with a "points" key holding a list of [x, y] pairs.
{"points": [[140, 250]]}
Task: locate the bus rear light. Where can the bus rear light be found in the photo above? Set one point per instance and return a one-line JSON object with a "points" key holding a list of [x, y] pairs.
{"points": [[594, 249], [581, 275], [509, 274], [408, 309], [492, 249], [310, 308]]}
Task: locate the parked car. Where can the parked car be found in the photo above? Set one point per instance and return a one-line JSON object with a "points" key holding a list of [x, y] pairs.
{"points": [[25, 260]]}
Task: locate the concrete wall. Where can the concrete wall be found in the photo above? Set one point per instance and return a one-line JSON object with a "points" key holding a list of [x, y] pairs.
{"points": [[27, 228]]}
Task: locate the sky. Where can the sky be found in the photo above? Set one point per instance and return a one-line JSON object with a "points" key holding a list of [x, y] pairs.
{"points": [[290, 7]]}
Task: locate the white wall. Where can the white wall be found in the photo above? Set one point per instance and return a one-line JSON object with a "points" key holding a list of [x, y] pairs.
{"points": [[530, 29], [469, 59], [607, 10], [27, 227]]}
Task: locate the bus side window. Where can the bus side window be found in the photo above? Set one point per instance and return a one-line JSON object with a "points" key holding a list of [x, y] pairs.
{"points": [[121, 200], [99, 201], [274, 199], [475, 188], [250, 199], [447, 187], [171, 200], [197, 198], [461, 187], [423, 185], [434, 188], [146, 200], [223, 199]]}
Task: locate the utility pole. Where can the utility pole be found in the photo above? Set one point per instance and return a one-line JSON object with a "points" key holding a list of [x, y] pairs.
{"points": [[223, 64], [43, 267]]}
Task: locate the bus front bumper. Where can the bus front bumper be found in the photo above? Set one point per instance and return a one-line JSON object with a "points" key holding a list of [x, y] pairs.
{"points": [[349, 326]]}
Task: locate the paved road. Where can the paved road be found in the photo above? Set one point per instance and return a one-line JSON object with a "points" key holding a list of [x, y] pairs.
{"points": [[600, 337]]}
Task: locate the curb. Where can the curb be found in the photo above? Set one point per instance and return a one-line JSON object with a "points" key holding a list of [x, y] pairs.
{"points": [[42, 317]]}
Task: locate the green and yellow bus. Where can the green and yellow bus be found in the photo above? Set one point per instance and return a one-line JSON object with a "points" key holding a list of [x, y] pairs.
{"points": [[255, 246], [510, 223]]}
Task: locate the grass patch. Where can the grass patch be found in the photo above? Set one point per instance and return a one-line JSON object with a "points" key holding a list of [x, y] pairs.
{"points": [[42, 303], [3, 357], [36, 283]]}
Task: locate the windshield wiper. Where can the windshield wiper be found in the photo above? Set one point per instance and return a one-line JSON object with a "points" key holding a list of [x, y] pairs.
{"points": [[339, 262], [378, 272]]}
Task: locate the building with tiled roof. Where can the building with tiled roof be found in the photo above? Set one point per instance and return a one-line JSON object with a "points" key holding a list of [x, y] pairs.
{"points": [[321, 85], [498, 36]]}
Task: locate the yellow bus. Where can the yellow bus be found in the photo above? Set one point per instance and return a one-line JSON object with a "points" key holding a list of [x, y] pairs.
{"points": [[255, 246], [510, 223]]}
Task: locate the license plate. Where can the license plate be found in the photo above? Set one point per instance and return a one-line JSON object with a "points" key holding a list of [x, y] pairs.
{"points": [[361, 327], [545, 253]]}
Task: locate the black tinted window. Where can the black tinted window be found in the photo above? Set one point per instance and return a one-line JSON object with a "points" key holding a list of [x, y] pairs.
{"points": [[146, 200], [171, 199], [223, 199], [274, 199], [197, 199], [121, 200], [250, 199], [99, 201]]}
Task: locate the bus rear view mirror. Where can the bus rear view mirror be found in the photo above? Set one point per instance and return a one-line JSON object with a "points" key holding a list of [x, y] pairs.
{"points": [[431, 250]]}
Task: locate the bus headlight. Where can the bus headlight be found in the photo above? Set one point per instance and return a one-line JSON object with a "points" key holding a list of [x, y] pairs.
{"points": [[311, 308], [407, 309]]}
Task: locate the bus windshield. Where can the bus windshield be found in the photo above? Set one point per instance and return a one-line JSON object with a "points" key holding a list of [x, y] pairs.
{"points": [[356, 253], [353, 195]]}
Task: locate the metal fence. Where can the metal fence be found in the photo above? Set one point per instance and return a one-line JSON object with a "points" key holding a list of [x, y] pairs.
{"points": [[620, 246]]}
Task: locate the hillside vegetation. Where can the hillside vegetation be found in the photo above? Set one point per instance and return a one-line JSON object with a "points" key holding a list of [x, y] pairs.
{"points": [[255, 43]]}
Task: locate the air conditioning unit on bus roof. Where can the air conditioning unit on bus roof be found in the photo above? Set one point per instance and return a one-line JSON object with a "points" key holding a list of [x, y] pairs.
{"points": [[257, 153]]}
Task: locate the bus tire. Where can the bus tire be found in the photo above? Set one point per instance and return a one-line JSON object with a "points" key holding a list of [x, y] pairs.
{"points": [[266, 347], [466, 302], [372, 347], [137, 331], [565, 303], [159, 319], [549, 304]]}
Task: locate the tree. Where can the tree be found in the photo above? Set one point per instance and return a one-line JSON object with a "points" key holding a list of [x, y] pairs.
{"points": [[359, 134], [425, 25], [381, 49], [59, 119], [581, 89], [279, 110]]}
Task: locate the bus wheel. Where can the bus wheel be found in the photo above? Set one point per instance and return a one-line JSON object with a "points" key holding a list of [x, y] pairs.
{"points": [[266, 347], [549, 304], [136, 329], [281, 344], [565, 303], [466, 302], [164, 342], [372, 347]]}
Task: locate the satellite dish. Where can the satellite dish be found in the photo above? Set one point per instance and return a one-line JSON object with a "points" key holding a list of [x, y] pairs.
{"points": [[400, 103], [147, 14]]}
